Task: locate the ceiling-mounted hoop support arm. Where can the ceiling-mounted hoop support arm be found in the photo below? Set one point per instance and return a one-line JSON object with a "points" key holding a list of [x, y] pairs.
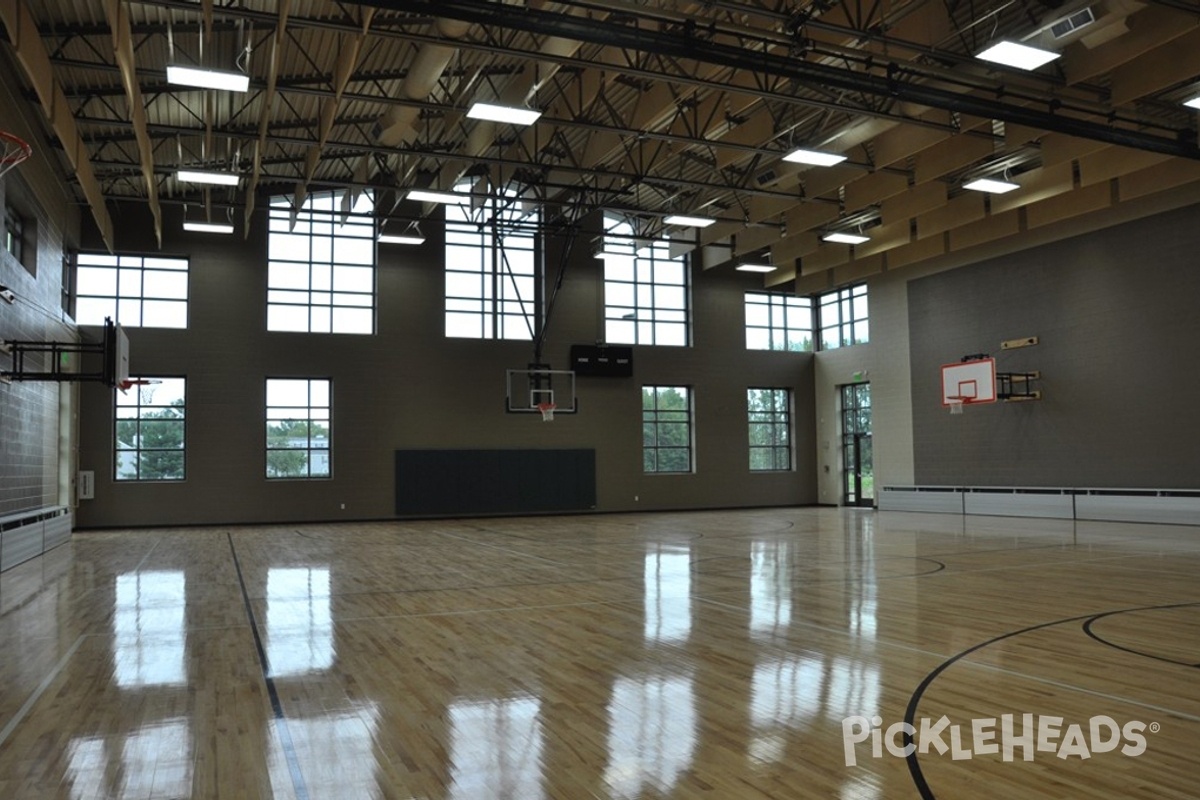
{"points": [[108, 350]]}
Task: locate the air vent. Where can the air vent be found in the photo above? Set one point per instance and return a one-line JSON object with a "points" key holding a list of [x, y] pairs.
{"points": [[1068, 25]]}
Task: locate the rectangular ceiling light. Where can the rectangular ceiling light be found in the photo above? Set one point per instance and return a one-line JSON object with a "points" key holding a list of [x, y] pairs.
{"points": [[208, 227], [755, 268], [203, 176], [1016, 55], [400, 238], [446, 198], [845, 238], [814, 157], [1193, 103], [689, 222], [991, 185], [497, 113], [208, 78]]}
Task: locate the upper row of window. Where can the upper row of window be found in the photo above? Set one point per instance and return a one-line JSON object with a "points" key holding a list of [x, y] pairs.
{"points": [[321, 279]]}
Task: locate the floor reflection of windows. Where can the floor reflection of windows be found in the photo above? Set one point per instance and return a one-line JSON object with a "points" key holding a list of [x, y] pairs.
{"points": [[496, 748], [668, 587], [791, 693], [336, 751], [156, 761], [651, 733], [149, 634], [770, 587], [299, 620]]}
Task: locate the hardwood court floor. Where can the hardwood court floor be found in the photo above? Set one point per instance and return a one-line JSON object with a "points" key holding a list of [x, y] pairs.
{"points": [[682, 655]]}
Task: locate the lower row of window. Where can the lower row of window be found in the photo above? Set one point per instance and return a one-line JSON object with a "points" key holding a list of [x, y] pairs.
{"points": [[149, 429]]}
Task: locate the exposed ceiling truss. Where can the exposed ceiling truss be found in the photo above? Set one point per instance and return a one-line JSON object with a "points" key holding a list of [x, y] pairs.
{"points": [[649, 108]]}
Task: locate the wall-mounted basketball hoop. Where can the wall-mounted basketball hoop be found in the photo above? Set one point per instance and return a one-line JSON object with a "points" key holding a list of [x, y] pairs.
{"points": [[108, 359]]}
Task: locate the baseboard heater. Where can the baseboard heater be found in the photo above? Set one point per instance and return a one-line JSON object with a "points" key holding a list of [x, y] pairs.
{"points": [[1169, 506], [481, 482], [30, 533]]}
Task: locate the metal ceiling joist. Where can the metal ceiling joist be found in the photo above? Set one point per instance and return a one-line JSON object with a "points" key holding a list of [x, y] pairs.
{"points": [[117, 14], [31, 54], [894, 85]]}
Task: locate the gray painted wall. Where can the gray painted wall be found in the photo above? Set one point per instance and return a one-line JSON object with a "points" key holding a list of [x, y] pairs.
{"points": [[35, 456], [410, 387], [1116, 315]]}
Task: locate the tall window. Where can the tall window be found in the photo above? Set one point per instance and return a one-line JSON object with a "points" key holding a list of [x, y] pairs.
{"points": [[136, 291], [14, 233], [666, 429], [491, 270], [645, 289], [321, 274], [778, 321], [150, 431], [770, 416], [298, 428], [844, 317]]}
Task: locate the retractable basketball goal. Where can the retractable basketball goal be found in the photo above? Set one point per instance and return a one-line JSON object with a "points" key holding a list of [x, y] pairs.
{"points": [[13, 150]]}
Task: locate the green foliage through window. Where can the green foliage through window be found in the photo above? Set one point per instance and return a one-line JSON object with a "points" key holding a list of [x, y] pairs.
{"points": [[298, 428], [770, 417], [666, 429], [149, 431]]}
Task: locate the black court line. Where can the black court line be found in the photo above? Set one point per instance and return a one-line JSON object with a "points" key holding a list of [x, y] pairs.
{"points": [[910, 713], [1087, 628], [285, 736]]}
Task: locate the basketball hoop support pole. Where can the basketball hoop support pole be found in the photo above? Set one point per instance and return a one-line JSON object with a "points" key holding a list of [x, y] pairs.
{"points": [[54, 351]]}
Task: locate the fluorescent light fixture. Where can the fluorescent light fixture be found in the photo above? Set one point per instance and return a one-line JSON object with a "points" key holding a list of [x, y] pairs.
{"points": [[446, 198], [689, 222], [1193, 103], [208, 227], [845, 238], [991, 185], [814, 157], [755, 268], [203, 176], [1016, 55], [410, 236], [497, 113], [208, 78]]}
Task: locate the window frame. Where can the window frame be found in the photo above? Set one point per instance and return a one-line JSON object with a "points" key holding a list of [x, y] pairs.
{"points": [[775, 419], [634, 268], [781, 307], [128, 307], [309, 419], [294, 283], [498, 303], [654, 419], [136, 392], [848, 322]]}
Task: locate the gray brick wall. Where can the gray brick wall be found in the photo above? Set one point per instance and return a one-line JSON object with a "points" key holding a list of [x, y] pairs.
{"points": [[1115, 312]]}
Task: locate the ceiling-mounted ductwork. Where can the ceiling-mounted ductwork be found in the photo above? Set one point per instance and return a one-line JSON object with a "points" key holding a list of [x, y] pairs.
{"points": [[1089, 22]]}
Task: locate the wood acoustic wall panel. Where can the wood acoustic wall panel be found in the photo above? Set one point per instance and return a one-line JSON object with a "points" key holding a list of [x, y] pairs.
{"points": [[858, 269], [916, 251], [1112, 162], [903, 141], [872, 188], [465, 482], [1162, 176], [885, 237], [812, 284], [1149, 28], [1080, 201], [807, 216], [1017, 135], [755, 237], [819, 181], [1058, 148], [985, 230], [954, 153], [794, 247], [829, 255], [1176, 62], [961, 210], [917, 200], [1038, 184]]}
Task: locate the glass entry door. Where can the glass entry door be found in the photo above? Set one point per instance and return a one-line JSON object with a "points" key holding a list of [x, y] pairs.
{"points": [[858, 463]]}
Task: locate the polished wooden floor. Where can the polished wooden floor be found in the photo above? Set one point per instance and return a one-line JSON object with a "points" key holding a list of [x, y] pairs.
{"points": [[685, 655]]}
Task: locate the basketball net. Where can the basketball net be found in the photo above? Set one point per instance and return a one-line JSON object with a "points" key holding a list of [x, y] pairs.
{"points": [[13, 150], [547, 410], [956, 405]]}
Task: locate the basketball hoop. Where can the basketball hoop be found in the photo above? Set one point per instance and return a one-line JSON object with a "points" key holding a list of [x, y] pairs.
{"points": [[125, 386], [956, 404], [13, 150], [547, 410]]}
